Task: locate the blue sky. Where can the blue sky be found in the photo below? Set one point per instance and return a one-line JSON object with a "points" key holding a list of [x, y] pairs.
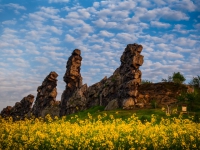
{"points": [[38, 36]]}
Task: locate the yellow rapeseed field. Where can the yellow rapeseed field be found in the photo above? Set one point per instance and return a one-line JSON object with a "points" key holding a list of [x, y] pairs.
{"points": [[91, 134]]}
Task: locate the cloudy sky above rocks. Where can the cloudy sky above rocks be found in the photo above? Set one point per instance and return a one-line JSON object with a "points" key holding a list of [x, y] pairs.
{"points": [[38, 36]]}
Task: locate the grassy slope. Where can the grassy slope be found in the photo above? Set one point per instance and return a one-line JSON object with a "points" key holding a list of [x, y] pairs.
{"points": [[142, 114]]}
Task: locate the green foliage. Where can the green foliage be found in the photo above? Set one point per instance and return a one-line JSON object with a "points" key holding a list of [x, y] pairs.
{"points": [[192, 99], [196, 118], [154, 104], [178, 77], [167, 80], [146, 82], [195, 82]]}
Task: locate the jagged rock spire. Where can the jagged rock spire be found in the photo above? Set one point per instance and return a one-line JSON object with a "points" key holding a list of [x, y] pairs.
{"points": [[47, 93], [72, 79]]}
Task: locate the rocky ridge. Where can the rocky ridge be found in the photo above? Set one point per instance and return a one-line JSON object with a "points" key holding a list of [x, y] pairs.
{"points": [[121, 90]]}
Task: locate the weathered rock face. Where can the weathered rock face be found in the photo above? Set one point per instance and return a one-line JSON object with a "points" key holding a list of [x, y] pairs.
{"points": [[120, 89], [77, 101], [123, 84], [112, 105], [46, 96], [6, 112], [163, 93], [73, 82], [22, 108], [130, 74]]}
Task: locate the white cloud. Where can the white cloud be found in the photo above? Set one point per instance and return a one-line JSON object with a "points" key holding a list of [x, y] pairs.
{"points": [[145, 3], [160, 24], [54, 54], [126, 37], [44, 13], [99, 23], [19, 62], [34, 35], [9, 31], [36, 17], [157, 13], [9, 22], [96, 47], [58, 1], [179, 28], [197, 26], [69, 38], [55, 40], [106, 33], [49, 10], [2, 64], [73, 15], [4, 44], [43, 60], [16, 6], [163, 46], [54, 29], [31, 48], [182, 41], [73, 22], [159, 2], [184, 5], [50, 48], [84, 13], [96, 4]]}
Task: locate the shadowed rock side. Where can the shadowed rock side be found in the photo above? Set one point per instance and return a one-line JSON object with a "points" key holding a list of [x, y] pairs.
{"points": [[73, 91], [6, 111], [123, 85], [46, 97], [20, 110]]}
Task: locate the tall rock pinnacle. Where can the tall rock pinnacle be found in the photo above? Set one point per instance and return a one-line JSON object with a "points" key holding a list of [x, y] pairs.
{"points": [[72, 79]]}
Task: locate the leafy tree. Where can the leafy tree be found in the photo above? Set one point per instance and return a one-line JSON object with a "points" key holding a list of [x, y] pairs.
{"points": [[195, 82], [178, 77]]}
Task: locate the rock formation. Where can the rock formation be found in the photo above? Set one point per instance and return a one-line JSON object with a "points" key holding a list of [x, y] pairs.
{"points": [[120, 89], [46, 96], [6, 112], [163, 93], [73, 81], [22, 108], [130, 74], [122, 85]]}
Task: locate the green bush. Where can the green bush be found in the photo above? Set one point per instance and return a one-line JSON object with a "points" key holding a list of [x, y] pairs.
{"points": [[195, 82], [192, 99], [154, 104], [178, 77], [146, 82]]}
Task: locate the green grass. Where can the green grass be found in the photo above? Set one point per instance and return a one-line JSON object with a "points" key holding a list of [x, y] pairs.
{"points": [[142, 114]]}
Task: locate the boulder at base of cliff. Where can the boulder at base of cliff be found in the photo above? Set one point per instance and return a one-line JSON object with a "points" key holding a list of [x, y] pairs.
{"points": [[128, 103], [113, 104]]}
